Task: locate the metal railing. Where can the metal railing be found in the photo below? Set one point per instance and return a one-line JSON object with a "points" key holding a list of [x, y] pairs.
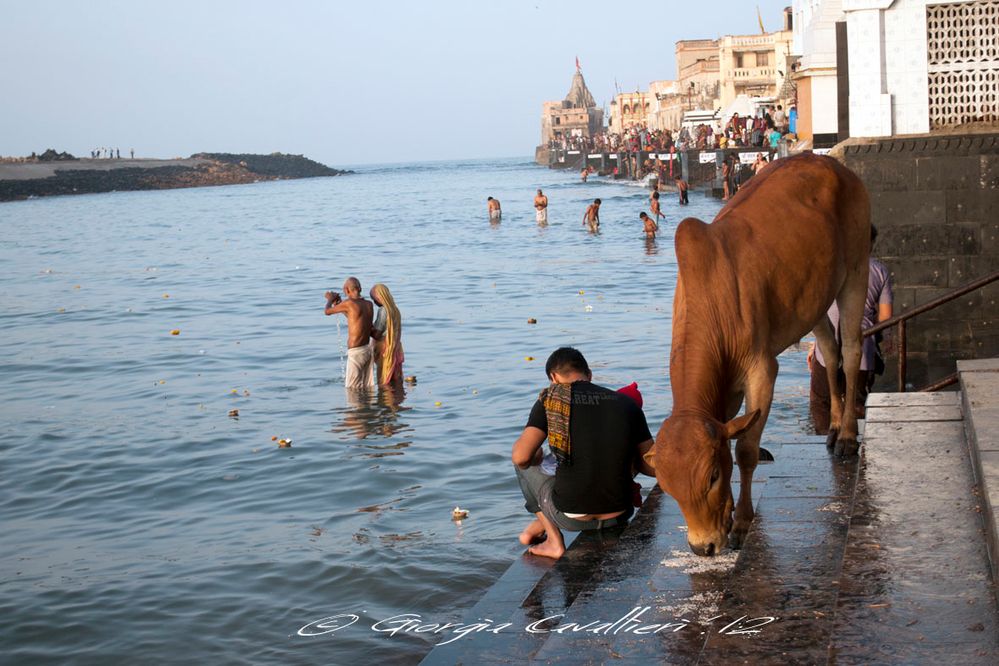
{"points": [[900, 321]]}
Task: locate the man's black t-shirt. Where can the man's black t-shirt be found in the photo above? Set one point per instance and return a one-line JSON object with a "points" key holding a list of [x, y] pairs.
{"points": [[605, 429]]}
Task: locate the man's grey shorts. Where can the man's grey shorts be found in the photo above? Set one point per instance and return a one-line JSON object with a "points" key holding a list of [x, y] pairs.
{"points": [[537, 488]]}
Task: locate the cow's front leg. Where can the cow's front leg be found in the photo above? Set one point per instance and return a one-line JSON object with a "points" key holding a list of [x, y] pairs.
{"points": [[759, 394]]}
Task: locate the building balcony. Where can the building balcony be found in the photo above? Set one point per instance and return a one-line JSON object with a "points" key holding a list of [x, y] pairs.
{"points": [[753, 75]]}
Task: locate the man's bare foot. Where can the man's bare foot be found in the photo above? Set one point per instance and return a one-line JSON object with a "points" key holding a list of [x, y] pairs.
{"points": [[548, 549], [533, 533]]}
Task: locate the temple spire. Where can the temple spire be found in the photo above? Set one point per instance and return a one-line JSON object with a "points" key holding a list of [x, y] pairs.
{"points": [[579, 95]]}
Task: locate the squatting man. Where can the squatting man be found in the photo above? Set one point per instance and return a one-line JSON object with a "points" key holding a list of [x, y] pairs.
{"points": [[599, 438]]}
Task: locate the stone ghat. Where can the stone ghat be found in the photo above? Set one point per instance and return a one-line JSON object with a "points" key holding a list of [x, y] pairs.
{"points": [[878, 559], [201, 170]]}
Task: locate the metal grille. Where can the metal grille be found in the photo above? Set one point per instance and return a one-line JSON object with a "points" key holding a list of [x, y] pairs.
{"points": [[962, 42]]}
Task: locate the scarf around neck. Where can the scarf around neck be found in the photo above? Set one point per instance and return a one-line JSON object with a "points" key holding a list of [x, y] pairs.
{"points": [[557, 401]]}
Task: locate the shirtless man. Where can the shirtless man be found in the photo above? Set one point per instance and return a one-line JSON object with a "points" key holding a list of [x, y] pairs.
{"points": [[584, 174], [359, 312], [650, 226], [655, 207], [494, 209], [592, 216], [681, 186], [541, 205]]}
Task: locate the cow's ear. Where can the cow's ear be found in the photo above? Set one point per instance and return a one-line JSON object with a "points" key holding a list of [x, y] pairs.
{"points": [[741, 424]]}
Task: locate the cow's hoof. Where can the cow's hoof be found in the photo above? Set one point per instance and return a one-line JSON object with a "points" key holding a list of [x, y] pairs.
{"points": [[846, 448], [737, 537], [831, 439]]}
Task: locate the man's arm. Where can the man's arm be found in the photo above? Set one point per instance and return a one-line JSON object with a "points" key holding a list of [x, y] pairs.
{"points": [[342, 306], [884, 311], [527, 448]]}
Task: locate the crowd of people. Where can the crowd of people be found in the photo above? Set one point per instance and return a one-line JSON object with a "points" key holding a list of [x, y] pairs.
{"points": [[763, 129]]}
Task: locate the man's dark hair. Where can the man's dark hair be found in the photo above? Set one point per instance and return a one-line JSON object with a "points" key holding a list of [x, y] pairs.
{"points": [[489, 199], [564, 359], [596, 201], [642, 215]]}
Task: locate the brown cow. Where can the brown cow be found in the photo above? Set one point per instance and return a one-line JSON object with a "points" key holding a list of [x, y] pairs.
{"points": [[750, 284]]}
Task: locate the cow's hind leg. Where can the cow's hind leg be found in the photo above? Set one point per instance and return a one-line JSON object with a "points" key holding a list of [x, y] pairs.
{"points": [[759, 395], [825, 339], [851, 313]]}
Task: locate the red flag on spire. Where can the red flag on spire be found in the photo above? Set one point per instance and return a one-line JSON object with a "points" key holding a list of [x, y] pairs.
{"points": [[577, 63]]}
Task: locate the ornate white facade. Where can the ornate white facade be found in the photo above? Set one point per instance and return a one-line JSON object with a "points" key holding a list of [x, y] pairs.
{"points": [[916, 65]]}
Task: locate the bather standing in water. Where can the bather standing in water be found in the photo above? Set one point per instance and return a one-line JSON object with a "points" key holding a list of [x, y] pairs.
{"points": [[387, 334], [592, 216], [655, 206], [649, 225], [494, 211], [359, 313], [541, 206]]}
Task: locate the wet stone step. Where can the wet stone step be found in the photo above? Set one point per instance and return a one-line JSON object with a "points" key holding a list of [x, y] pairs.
{"points": [[876, 559], [915, 586]]}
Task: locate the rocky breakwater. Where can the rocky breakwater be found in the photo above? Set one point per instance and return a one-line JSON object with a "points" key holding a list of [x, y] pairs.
{"points": [[24, 179]]}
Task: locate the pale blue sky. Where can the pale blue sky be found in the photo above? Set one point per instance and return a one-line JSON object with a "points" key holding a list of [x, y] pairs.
{"points": [[344, 83]]}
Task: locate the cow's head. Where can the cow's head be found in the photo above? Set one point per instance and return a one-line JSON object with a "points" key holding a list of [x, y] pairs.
{"points": [[694, 464]]}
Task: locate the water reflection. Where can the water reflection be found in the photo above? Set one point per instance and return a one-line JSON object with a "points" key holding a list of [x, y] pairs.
{"points": [[651, 247], [374, 413]]}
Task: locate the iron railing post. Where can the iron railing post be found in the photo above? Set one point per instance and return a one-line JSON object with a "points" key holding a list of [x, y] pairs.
{"points": [[902, 354]]}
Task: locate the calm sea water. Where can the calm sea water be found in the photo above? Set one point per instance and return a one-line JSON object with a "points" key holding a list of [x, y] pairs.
{"points": [[141, 522]]}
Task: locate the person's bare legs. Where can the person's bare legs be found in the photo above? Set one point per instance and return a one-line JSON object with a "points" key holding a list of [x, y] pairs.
{"points": [[553, 546], [533, 533]]}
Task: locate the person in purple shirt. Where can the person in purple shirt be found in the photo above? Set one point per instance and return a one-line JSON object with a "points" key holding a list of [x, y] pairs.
{"points": [[877, 308]]}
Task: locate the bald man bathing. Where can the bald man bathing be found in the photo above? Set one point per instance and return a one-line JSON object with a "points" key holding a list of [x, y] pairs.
{"points": [[360, 313]]}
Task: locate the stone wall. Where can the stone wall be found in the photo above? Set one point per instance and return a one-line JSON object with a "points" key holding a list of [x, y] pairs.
{"points": [[935, 201]]}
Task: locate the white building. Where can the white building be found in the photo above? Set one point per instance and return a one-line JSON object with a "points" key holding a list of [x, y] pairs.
{"points": [[917, 65], [814, 42]]}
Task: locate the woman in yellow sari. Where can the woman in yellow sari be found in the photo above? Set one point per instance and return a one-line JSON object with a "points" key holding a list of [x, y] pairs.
{"points": [[387, 332]]}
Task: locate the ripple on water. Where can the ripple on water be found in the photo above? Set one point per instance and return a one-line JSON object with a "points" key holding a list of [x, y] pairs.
{"points": [[152, 524]]}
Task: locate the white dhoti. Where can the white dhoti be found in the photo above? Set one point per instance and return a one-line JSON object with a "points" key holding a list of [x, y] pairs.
{"points": [[360, 367], [495, 215], [542, 216]]}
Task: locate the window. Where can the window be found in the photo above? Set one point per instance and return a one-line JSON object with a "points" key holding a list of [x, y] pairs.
{"points": [[963, 62], [762, 59], [738, 61]]}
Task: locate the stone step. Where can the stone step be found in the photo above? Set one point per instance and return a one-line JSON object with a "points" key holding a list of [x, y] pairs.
{"points": [[915, 584], [875, 559], [980, 390]]}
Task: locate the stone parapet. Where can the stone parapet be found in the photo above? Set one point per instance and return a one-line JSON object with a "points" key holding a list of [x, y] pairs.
{"points": [[934, 199]]}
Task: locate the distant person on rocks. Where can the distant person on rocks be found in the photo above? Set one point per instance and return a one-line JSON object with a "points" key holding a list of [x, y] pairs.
{"points": [[592, 216], [359, 313], [494, 209], [877, 308], [117, 152], [386, 330], [599, 438], [541, 206], [132, 153], [655, 206], [682, 187], [649, 225], [584, 174]]}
